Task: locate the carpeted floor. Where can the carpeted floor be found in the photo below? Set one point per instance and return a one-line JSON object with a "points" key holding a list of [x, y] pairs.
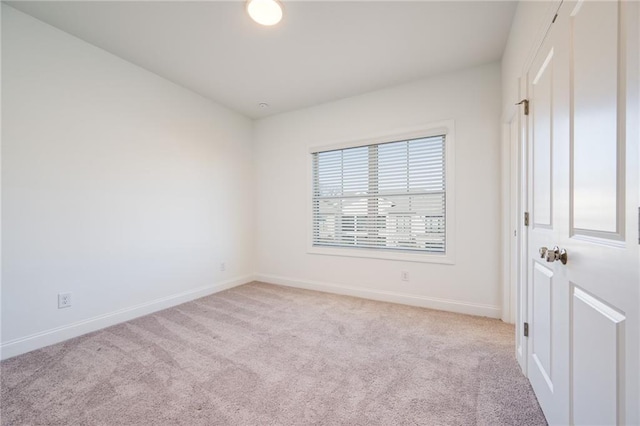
{"points": [[263, 355]]}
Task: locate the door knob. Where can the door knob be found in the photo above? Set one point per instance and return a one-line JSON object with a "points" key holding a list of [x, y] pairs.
{"points": [[543, 252], [554, 254]]}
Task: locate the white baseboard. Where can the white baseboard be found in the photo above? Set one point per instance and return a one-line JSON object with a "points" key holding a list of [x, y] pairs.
{"points": [[387, 296], [55, 335]]}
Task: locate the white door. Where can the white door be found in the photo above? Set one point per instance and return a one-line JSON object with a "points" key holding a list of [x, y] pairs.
{"points": [[583, 354]]}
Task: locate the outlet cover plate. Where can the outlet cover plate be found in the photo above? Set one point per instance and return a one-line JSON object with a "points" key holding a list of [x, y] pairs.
{"points": [[64, 300]]}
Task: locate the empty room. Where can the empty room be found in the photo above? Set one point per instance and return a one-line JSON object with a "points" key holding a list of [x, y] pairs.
{"points": [[295, 212]]}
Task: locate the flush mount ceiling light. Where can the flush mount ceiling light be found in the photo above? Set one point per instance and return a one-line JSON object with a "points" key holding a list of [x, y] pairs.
{"points": [[265, 12]]}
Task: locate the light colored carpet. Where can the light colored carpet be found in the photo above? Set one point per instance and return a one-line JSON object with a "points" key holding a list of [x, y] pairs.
{"points": [[261, 354]]}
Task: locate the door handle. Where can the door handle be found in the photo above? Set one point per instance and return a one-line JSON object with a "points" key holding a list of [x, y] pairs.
{"points": [[551, 255]]}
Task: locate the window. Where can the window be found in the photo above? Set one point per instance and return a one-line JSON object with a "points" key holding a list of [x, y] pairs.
{"points": [[385, 197]]}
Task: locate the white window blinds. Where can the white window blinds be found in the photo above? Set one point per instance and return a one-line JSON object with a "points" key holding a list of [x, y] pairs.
{"points": [[387, 196]]}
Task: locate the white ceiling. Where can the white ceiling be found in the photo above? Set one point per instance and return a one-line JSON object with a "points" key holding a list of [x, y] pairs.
{"points": [[321, 51]]}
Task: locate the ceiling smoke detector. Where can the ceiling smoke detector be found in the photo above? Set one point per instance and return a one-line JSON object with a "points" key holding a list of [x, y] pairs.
{"points": [[265, 12], [263, 105]]}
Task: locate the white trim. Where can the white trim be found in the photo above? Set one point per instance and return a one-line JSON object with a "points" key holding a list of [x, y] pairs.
{"points": [[398, 255], [432, 129], [1, 257], [511, 217], [522, 290], [506, 221], [387, 296], [598, 305], [55, 335], [446, 127]]}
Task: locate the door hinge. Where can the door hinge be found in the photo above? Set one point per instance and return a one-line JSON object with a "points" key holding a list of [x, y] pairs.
{"points": [[526, 218], [526, 105], [526, 329], [554, 18]]}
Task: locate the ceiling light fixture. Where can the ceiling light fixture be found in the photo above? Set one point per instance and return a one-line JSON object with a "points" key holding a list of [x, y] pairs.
{"points": [[265, 12]]}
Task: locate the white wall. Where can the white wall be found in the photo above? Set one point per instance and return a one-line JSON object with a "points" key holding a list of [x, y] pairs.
{"points": [[118, 186], [473, 99]]}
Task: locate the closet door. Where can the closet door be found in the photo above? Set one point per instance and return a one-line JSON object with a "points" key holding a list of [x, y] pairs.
{"points": [[583, 259]]}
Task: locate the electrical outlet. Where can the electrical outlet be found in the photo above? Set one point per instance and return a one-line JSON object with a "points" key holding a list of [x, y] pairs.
{"points": [[64, 300], [404, 276], [223, 267]]}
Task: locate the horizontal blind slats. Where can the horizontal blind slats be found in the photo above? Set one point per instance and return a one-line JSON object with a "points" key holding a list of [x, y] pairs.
{"points": [[385, 196]]}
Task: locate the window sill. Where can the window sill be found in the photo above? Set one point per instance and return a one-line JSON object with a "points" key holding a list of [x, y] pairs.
{"points": [[383, 254]]}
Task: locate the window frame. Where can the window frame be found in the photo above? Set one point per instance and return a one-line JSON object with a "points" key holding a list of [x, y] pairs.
{"points": [[446, 128]]}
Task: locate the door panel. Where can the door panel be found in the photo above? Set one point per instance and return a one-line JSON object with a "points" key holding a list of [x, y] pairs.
{"points": [[594, 79], [598, 360], [604, 272], [548, 345], [541, 111], [541, 321]]}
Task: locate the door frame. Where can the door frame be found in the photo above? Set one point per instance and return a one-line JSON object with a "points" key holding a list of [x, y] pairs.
{"points": [[514, 191], [512, 212], [510, 242], [517, 206]]}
